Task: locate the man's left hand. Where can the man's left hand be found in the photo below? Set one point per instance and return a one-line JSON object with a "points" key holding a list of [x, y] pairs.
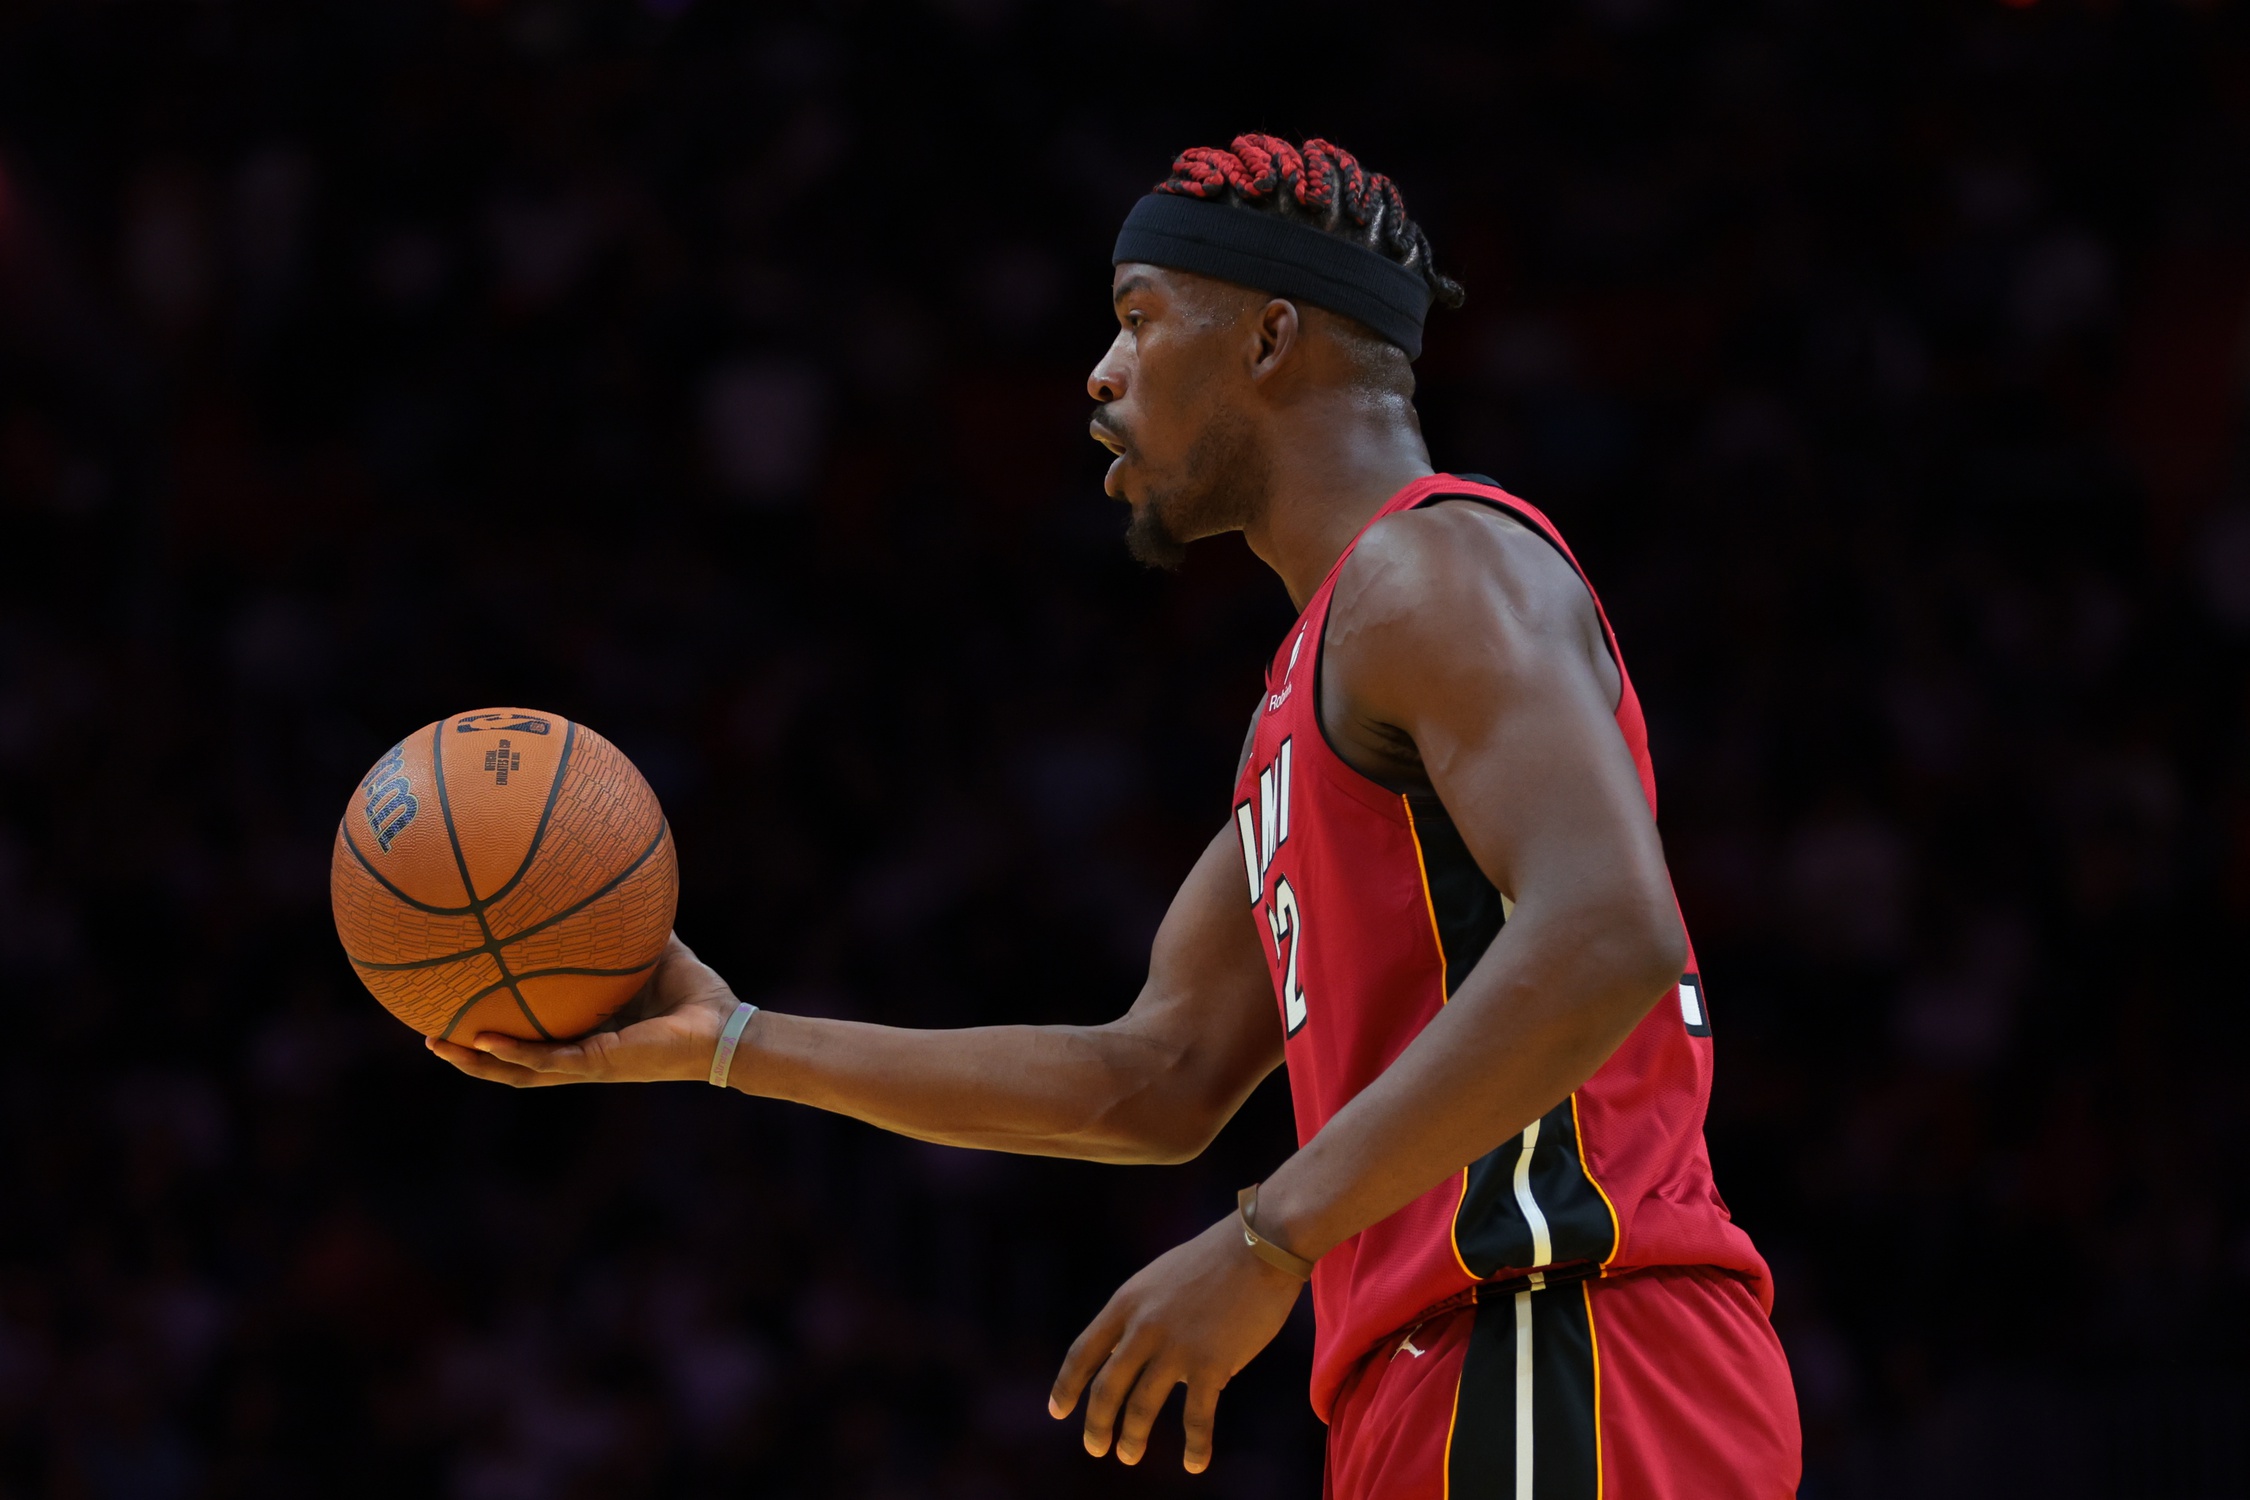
{"points": [[1195, 1316]]}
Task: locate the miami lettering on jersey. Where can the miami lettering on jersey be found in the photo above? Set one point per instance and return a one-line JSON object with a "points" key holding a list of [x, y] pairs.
{"points": [[1264, 827]]}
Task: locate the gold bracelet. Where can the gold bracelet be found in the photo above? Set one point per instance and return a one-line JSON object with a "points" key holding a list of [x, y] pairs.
{"points": [[1246, 1205]]}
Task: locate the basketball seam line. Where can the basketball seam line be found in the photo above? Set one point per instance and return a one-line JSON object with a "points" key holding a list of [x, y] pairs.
{"points": [[491, 943], [345, 829], [538, 836], [468, 886], [538, 974]]}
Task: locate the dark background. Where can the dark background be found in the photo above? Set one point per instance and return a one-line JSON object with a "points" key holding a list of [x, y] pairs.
{"points": [[715, 376]]}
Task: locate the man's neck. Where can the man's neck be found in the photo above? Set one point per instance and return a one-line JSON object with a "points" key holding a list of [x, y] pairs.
{"points": [[1331, 471]]}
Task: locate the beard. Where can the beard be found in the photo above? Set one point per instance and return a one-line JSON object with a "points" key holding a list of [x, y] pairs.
{"points": [[1153, 543], [1222, 487]]}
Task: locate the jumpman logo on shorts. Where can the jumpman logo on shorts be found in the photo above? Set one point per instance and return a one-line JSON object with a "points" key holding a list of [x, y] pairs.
{"points": [[1406, 1345]]}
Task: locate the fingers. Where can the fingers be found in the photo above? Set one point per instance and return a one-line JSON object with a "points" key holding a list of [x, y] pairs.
{"points": [[1078, 1366], [1142, 1408], [1130, 1384], [648, 1000], [565, 1058], [640, 1007], [677, 956], [1119, 1374], [492, 1069], [1201, 1414]]}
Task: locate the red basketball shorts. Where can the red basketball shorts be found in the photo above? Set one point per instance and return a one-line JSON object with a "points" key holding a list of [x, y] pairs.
{"points": [[1662, 1385]]}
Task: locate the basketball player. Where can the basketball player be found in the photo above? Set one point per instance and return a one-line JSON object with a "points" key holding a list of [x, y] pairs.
{"points": [[1440, 900]]}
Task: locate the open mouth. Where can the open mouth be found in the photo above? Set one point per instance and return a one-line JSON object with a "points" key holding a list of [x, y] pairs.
{"points": [[1115, 445]]}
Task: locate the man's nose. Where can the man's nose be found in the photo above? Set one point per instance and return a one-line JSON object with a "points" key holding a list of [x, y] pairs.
{"points": [[1107, 382]]}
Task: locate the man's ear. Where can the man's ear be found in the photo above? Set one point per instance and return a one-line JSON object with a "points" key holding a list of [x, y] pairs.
{"points": [[1278, 328]]}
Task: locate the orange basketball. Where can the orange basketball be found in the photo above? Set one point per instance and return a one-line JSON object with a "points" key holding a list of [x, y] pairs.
{"points": [[504, 870]]}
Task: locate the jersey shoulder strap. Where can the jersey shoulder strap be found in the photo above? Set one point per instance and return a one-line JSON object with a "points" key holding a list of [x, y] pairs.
{"points": [[1486, 491]]}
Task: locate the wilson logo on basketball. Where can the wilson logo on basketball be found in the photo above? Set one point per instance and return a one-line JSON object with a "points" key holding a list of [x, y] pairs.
{"points": [[391, 803]]}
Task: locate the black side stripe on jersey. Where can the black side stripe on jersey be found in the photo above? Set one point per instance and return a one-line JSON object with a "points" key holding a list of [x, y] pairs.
{"points": [[1526, 1415], [1516, 1213], [1465, 907], [1531, 1203]]}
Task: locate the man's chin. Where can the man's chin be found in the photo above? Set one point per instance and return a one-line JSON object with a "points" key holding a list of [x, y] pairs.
{"points": [[1151, 542]]}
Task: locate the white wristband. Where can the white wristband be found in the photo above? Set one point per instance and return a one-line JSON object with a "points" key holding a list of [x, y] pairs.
{"points": [[722, 1061]]}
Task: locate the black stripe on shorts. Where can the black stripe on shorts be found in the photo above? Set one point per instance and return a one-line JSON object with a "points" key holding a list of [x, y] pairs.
{"points": [[1492, 1407]]}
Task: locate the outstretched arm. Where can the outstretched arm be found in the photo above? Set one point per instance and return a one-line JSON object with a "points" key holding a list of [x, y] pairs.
{"points": [[1152, 1086]]}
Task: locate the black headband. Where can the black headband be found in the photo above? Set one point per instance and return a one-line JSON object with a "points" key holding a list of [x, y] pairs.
{"points": [[1280, 256]]}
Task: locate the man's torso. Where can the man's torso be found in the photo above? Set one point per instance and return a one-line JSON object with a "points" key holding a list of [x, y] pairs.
{"points": [[1373, 910]]}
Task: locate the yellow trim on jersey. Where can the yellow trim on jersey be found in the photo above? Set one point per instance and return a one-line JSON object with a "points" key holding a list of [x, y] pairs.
{"points": [[1594, 1345], [1429, 904], [1445, 1469], [1616, 1232]]}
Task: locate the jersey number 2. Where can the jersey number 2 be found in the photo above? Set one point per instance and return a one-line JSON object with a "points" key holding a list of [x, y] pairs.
{"points": [[1288, 924]]}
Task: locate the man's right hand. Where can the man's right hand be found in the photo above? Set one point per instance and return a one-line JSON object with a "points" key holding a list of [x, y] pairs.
{"points": [[1154, 1085], [667, 1032]]}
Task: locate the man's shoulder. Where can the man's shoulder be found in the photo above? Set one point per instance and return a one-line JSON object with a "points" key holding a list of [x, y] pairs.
{"points": [[1429, 567]]}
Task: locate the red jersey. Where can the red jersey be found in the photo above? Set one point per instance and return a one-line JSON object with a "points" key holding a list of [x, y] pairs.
{"points": [[1374, 912]]}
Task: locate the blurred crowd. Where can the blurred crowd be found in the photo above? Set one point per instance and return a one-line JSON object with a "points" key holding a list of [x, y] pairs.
{"points": [[713, 374]]}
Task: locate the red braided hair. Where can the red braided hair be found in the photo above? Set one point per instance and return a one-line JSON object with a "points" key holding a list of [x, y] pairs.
{"points": [[1320, 183]]}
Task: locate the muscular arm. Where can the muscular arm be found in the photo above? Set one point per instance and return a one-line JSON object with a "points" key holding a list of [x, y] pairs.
{"points": [[1152, 1086], [1470, 641]]}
